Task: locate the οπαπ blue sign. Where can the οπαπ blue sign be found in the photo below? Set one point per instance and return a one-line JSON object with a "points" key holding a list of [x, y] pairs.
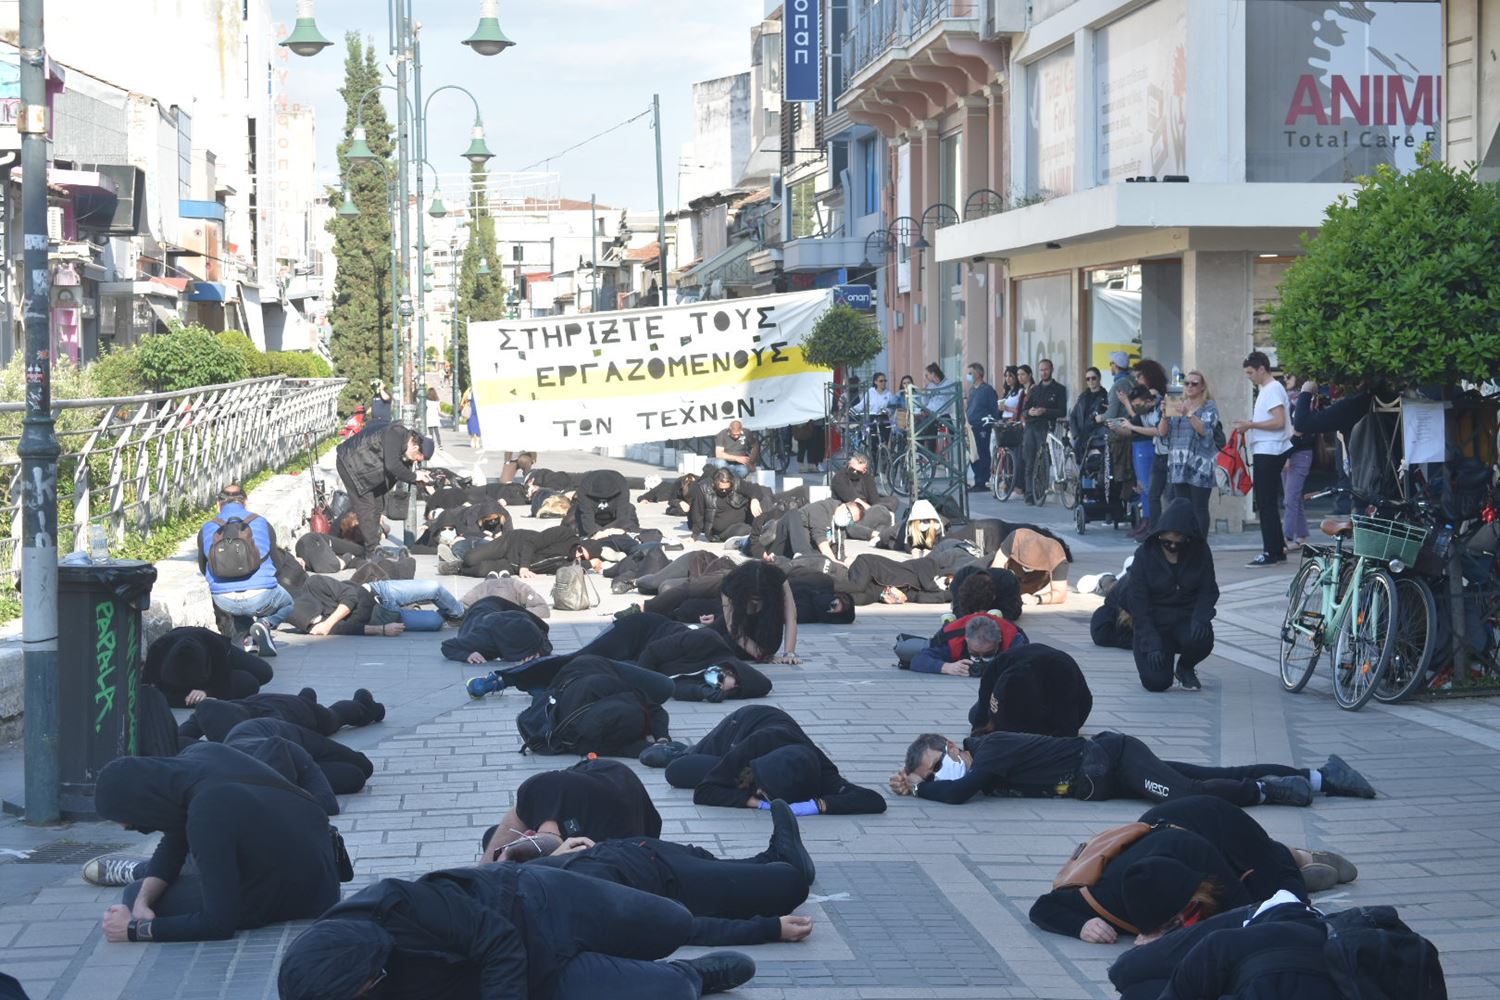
{"points": [[800, 79], [854, 296]]}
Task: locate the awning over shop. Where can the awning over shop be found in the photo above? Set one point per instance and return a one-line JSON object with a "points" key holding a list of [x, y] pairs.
{"points": [[207, 291]]}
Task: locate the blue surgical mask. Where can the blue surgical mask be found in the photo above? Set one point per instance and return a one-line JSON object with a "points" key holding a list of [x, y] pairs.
{"points": [[968, 376]]}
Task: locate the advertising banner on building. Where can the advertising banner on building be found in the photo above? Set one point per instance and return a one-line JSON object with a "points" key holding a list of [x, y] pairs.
{"points": [[1052, 111], [800, 76], [647, 374], [1140, 74], [1334, 89]]}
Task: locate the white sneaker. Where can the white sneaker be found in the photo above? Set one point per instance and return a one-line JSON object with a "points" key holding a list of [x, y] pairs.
{"points": [[113, 869], [260, 632]]}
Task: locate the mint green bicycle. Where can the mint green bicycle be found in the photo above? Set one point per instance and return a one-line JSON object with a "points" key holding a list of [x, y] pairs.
{"points": [[1346, 605]]}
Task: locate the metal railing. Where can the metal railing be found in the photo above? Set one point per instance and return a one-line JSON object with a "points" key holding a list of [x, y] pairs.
{"points": [[886, 24], [132, 461]]}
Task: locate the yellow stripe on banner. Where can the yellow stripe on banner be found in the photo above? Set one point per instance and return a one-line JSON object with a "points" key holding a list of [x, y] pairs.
{"points": [[655, 376]]}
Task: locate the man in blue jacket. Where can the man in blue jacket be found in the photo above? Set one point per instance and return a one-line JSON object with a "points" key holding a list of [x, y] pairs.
{"points": [[984, 403], [247, 605]]}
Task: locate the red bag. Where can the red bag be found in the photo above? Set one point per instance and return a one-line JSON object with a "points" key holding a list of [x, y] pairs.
{"points": [[1233, 472]]}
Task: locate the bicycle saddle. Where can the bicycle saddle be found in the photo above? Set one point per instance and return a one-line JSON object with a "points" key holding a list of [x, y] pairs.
{"points": [[1334, 527]]}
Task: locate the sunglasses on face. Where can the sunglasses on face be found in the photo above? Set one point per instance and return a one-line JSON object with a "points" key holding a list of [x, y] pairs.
{"points": [[1172, 546], [1091, 378], [1195, 381]]}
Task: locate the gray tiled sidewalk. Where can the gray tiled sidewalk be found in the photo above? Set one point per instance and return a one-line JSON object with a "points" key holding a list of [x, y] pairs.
{"points": [[924, 901]]}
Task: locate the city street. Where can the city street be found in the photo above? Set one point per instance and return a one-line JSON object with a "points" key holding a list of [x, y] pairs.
{"points": [[927, 900]]}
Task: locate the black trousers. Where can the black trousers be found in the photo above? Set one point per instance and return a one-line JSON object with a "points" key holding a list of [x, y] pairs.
{"points": [[594, 940], [1267, 472], [1181, 652], [792, 536], [1140, 774], [1032, 443], [983, 456], [1105, 628], [368, 508], [735, 890], [1198, 496], [869, 576], [1267, 865]]}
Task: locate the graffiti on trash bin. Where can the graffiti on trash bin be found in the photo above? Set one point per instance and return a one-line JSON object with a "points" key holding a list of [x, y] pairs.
{"points": [[132, 686], [104, 660]]}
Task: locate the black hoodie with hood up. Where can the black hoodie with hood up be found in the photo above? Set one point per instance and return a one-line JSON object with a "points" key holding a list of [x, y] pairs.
{"points": [[604, 502], [1166, 596], [260, 845]]}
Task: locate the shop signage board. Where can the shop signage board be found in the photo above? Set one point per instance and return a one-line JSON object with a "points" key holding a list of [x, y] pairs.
{"points": [[1334, 90], [1140, 80], [645, 375], [800, 76], [1052, 113]]}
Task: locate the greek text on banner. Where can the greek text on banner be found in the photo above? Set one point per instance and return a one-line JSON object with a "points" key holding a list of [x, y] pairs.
{"points": [[646, 374]]}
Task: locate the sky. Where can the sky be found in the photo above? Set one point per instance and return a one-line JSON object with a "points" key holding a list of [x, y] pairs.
{"points": [[577, 68]]}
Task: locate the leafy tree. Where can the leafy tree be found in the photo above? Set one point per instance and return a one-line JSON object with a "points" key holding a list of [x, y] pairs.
{"points": [[185, 358], [481, 297], [1401, 285], [361, 310], [842, 337]]}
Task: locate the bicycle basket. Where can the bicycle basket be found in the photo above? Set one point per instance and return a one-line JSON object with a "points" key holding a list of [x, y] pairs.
{"points": [[1384, 539]]}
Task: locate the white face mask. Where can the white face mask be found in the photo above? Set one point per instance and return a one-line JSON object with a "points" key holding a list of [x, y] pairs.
{"points": [[952, 769]]}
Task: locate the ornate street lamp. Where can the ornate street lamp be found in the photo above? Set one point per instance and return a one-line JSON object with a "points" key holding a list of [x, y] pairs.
{"points": [[306, 39], [488, 39]]}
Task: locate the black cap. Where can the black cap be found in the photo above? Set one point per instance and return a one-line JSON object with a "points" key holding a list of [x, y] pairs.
{"points": [[1156, 890], [428, 447]]}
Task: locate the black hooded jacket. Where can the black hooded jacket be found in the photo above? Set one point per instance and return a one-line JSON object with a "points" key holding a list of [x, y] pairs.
{"points": [[261, 845], [207, 668], [1016, 764], [848, 485], [604, 502], [784, 762], [346, 769], [322, 595], [1163, 595], [500, 630], [599, 710], [1039, 690], [598, 799]]}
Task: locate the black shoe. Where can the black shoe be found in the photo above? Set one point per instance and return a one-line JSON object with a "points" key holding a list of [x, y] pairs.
{"points": [[308, 694], [622, 586], [720, 971], [375, 708], [786, 841], [662, 754], [1188, 678], [1265, 559], [1293, 790], [1341, 779]]}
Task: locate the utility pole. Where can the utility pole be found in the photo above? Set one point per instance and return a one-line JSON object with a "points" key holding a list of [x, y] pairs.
{"points": [[38, 447], [661, 203], [419, 160], [401, 23]]}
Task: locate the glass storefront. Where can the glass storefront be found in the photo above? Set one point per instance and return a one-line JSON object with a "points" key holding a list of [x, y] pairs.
{"points": [[1044, 322]]}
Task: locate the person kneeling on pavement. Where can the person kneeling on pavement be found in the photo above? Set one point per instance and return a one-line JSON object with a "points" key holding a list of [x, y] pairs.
{"points": [[1106, 766], [732, 902], [758, 754], [1198, 842], [261, 846], [1032, 689], [1170, 599], [503, 930], [189, 664]]}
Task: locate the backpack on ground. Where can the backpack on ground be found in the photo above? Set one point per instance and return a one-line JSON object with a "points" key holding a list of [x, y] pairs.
{"points": [[540, 730], [1372, 955], [571, 591], [233, 555]]}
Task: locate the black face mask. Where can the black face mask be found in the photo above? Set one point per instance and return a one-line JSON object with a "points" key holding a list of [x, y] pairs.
{"points": [[723, 491], [855, 473]]}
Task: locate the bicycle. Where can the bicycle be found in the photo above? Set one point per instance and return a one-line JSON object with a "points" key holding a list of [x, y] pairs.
{"points": [[775, 449], [1056, 472], [1348, 609], [1003, 466]]}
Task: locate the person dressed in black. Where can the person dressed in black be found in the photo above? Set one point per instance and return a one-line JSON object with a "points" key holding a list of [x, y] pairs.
{"points": [[854, 484], [877, 579], [1083, 418], [722, 508], [1045, 404], [599, 707], [261, 846], [214, 718], [329, 606], [189, 664], [603, 504], [373, 461], [732, 902], [1212, 840], [521, 551], [1170, 599], [1032, 688], [503, 930], [345, 769], [818, 596], [757, 754], [321, 553], [496, 629], [1106, 766], [1111, 625], [599, 799], [677, 494]]}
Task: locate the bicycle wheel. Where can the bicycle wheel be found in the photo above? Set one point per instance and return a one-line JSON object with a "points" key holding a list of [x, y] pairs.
{"points": [[1003, 482], [1301, 632], [1072, 488], [1416, 641], [1041, 477], [1365, 641]]}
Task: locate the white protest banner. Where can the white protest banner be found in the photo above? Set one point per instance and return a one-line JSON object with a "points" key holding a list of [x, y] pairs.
{"points": [[646, 374]]}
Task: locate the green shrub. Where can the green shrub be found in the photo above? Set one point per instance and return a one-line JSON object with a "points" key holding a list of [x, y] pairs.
{"points": [[297, 364], [187, 358], [842, 338], [118, 373], [256, 363], [1401, 285]]}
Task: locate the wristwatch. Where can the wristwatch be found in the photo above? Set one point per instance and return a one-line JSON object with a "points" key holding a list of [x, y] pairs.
{"points": [[138, 930]]}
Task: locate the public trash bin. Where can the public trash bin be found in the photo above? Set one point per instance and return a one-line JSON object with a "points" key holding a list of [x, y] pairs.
{"points": [[99, 655]]}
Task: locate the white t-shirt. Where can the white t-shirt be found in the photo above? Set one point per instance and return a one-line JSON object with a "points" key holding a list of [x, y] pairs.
{"points": [[1271, 395]]}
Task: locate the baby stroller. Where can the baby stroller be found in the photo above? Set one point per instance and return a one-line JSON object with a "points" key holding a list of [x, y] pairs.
{"points": [[1095, 475]]}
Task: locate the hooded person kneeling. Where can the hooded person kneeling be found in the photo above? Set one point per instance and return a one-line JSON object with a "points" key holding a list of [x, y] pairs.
{"points": [[1170, 599]]}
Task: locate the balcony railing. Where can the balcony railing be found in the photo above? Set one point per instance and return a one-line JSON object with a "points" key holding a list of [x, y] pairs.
{"points": [[887, 24]]}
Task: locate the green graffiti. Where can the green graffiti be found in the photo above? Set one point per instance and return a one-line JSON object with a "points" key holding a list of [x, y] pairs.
{"points": [[104, 661], [132, 687]]}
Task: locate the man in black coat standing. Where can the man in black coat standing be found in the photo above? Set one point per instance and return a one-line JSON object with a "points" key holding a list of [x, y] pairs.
{"points": [[373, 461]]}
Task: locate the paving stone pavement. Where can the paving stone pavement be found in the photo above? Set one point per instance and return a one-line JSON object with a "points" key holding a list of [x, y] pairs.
{"points": [[926, 900]]}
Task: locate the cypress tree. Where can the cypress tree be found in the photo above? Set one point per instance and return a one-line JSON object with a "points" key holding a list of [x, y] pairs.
{"points": [[361, 310], [481, 297]]}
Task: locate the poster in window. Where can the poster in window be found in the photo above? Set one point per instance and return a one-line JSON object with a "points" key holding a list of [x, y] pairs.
{"points": [[1052, 140], [1140, 77]]}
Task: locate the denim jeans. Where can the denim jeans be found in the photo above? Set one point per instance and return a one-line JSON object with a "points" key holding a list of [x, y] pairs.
{"points": [[738, 469], [274, 605], [396, 594]]}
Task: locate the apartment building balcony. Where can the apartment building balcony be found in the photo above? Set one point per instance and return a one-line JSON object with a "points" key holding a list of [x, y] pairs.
{"points": [[906, 60]]}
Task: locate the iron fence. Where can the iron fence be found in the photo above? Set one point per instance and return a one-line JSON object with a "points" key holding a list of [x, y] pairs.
{"points": [[886, 24], [130, 462]]}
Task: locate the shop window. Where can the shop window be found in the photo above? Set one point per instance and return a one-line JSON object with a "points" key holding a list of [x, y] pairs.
{"points": [[1044, 323], [1051, 125], [1140, 99], [804, 210], [869, 158]]}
